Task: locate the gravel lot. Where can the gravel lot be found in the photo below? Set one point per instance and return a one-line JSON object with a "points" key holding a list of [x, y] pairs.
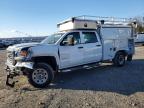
{"points": [[98, 87]]}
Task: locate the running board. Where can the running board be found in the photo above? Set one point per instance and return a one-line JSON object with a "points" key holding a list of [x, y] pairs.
{"points": [[87, 66]]}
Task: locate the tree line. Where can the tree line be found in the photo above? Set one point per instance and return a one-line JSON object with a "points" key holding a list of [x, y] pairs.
{"points": [[140, 24]]}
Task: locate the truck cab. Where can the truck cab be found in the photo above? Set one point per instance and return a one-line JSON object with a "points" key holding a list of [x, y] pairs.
{"points": [[79, 47], [79, 42]]}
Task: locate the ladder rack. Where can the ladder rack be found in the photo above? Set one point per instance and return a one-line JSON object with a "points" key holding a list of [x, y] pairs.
{"points": [[106, 20], [93, 22]]}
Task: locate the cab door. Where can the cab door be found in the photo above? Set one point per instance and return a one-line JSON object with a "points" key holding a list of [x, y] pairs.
{"points": [[71, 55], [92, 47]]}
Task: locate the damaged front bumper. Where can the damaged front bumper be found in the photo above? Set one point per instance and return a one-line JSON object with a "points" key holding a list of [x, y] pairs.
{"points": [[13, 71]]}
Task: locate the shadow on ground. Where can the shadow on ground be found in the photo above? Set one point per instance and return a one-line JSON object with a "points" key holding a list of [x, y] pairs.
{"points": [[124, 80]]}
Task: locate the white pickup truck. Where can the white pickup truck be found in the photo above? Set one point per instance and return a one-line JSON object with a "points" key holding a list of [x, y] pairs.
{"points": [[79, 42], [140, 39]]}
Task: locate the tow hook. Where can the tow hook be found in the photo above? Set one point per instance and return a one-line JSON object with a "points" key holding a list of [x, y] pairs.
{"points": [[10, 78]]}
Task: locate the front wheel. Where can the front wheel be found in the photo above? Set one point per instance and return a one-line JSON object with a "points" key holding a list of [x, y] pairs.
{"points": [[41, 76], [119, 59]]}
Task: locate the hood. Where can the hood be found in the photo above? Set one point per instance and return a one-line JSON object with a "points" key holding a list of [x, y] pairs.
{"points": [[45, 50], [20, 46]]}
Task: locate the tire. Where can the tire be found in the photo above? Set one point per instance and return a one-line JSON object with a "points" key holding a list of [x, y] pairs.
{"points": [[119, 59], [41, 76]]}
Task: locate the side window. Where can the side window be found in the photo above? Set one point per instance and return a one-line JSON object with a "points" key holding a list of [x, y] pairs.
{"points": [[72, 39], [89, 37]]}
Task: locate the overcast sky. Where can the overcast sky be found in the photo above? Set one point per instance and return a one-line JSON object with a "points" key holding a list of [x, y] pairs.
{"points": [[39, 17]]}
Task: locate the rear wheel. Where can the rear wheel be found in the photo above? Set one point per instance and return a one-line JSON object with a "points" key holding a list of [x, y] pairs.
{"points": [[41, 76], [119, 59]]}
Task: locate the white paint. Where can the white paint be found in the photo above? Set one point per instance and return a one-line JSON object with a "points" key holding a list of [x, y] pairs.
{"points": [[78, 24]]}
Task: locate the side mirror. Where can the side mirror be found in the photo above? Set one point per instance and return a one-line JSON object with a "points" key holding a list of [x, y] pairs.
{"points": [[64, 43], [69, 41]]}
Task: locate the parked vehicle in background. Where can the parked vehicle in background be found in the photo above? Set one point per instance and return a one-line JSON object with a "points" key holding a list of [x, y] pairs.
{"points": [[140, 39], [1, 44], [8, 43], [80, 41]]}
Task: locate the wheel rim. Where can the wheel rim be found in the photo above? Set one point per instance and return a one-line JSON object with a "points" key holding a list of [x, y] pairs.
{"points": [[40, 76], [121, 59]]}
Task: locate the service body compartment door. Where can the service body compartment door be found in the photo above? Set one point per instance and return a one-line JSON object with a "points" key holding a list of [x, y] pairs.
{"points": [[109, 49], [92, 47]]}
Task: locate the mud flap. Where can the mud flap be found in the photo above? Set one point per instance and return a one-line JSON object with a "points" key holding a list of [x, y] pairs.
{"points": [[129, 58]]}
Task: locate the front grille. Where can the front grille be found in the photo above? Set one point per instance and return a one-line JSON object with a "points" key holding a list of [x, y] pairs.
{"points": [[10, 57]]}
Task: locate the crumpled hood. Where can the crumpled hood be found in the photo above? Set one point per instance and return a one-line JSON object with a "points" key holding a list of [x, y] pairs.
{"points": [[20, 46]]}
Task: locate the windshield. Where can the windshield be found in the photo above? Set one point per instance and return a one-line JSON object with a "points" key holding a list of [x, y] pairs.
{"points": [[52, 39]]}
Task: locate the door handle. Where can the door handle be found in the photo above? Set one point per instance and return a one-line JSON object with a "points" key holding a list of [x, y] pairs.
{"points": [[98, 45], [80, 47]]}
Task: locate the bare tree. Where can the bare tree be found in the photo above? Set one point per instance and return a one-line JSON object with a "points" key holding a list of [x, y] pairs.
{"points": [[140, 23]]}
